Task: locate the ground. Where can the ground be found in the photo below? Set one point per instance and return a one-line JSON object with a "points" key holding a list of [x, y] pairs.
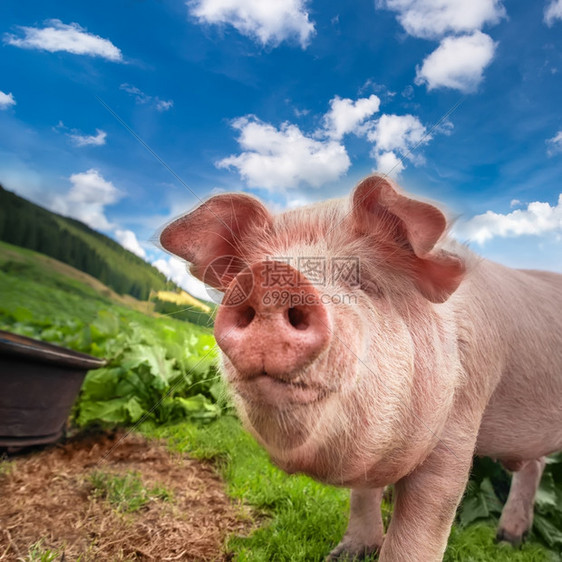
{"points": [[114, 497], [181, 492]]}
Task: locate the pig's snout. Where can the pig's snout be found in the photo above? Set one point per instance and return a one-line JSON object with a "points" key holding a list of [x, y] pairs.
{"points": [[272, 322]]}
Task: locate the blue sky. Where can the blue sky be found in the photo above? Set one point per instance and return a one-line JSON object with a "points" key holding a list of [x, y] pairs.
{"points": [[291, 100]]}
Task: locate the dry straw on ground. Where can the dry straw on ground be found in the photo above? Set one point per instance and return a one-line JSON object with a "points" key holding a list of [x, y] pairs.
{"points": [[47, 496]]}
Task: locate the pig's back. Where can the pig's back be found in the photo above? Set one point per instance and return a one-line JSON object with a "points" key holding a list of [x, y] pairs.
{"points": [[523, 418], [550, 281]]}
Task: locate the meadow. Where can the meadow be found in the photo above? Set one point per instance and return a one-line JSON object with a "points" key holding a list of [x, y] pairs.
{"points": [[161, 380]]}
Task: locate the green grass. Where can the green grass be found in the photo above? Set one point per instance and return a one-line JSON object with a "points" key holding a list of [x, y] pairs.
{"points": [[475, 543], [6, 467], [37, 553], [300, 518], [34, 293], [125, 492], [27, 283]]}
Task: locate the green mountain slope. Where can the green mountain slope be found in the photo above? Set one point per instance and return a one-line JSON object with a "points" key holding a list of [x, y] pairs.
{"points": [[25, 224]]}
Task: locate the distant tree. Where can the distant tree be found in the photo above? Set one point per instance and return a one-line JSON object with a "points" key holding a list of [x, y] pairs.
{"points": [[25, 224]]}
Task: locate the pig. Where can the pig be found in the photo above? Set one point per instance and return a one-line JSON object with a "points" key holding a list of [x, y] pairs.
{"points": [[397, 372]]}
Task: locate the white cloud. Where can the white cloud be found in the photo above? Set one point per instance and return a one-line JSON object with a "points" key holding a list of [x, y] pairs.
{"points": [[555, 144], [388, 163], [397, 132], [537, 219], [6, 100], [142, 98], [89, 140], [164, 105], [285, 157], [432, 19], [299, 201], [72, 38], [87, 198], [457, 63], [276, 159], [395, 137], [301, 112], [553, 12], [268, 23], [176, 270], [346, 115], [128, 240]]}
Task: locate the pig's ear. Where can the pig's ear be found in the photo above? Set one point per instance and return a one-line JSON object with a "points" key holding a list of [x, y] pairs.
{"points": [[410, 226], [211, 237]]}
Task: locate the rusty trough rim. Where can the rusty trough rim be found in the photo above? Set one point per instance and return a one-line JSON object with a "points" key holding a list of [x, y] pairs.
{"points": [[29, 349]]}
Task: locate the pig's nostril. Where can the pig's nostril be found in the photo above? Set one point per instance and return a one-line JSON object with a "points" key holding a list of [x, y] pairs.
{"points": [[298, 318], [246, 316]]}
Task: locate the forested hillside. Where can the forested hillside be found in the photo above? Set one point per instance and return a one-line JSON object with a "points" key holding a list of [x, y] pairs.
{"points": [[25, 224]]}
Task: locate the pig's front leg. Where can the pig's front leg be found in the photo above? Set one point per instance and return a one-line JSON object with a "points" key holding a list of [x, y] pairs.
{"points": [[365, 530], [425, 505]]}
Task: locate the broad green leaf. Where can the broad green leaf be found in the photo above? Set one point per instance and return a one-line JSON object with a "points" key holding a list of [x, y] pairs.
{"points": [[111, 411], [551, 534], [134, 409], [132, 384], [198, 365], [155, 358], [218, 389], [101, 383], [21, 314], [194, 403], [547, 497], [199, 407], [105, 325], [480, 502], [473, 507], [492, 502]]}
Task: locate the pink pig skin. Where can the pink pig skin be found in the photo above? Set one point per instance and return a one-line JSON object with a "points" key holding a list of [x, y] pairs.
{"points": [[433, 356]]}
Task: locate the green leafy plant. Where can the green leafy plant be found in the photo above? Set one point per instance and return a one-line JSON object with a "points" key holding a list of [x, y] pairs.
{"points": [[158, 370], [159, 374], [488, 488], [548, 504]]}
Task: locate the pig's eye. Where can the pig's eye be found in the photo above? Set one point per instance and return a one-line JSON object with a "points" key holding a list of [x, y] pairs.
{"points": [[372, 288]]}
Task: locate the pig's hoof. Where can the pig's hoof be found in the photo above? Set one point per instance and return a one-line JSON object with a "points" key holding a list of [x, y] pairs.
{"points": [[513, 539], [349, 552]]}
